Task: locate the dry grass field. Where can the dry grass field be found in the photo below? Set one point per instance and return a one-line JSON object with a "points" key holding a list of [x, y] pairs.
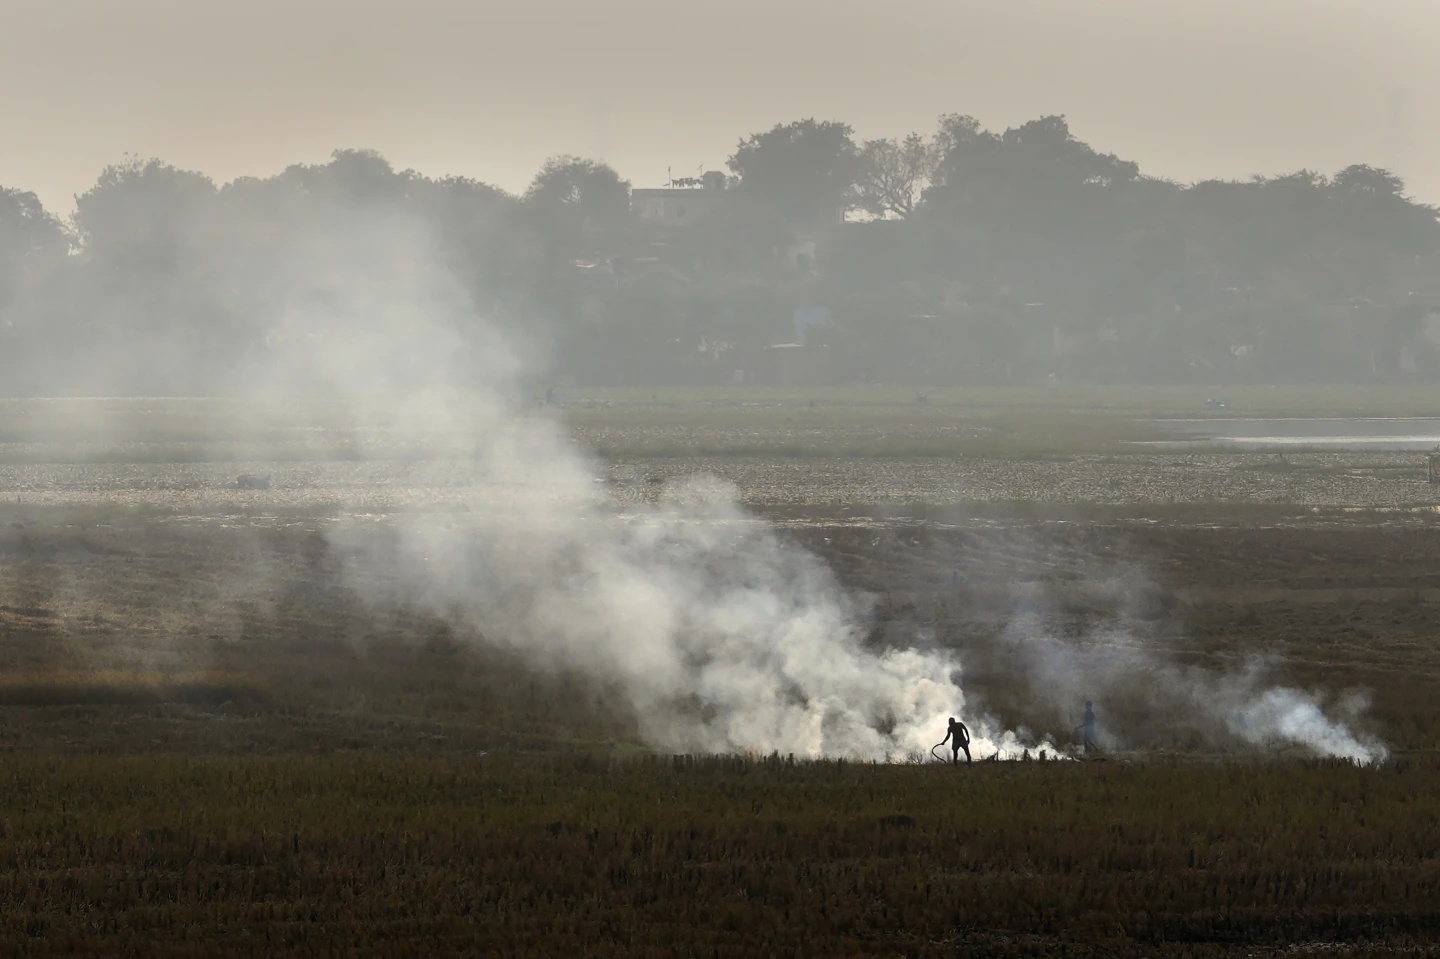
{"points": [[212, 744]]}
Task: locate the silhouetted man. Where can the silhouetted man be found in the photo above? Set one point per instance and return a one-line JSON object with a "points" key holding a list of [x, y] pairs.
{"points": [[1089, 727], [959, 738]]}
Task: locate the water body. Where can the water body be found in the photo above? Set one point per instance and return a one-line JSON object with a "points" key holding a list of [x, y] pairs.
{"points": [[1399, 433]]}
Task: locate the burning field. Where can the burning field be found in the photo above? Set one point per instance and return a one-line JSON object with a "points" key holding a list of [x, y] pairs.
{"points": [[250, 714], [417, 666], [1028, 614]]}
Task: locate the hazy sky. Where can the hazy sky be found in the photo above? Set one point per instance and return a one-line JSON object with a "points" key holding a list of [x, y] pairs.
{"points": [[1190, 89]]}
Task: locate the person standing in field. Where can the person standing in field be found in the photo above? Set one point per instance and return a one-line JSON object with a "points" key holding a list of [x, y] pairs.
{"points": [[958, 736], [1089, 727]]}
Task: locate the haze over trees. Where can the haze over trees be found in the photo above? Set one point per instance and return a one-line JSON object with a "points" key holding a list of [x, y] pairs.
{"points": [[947, 257]]}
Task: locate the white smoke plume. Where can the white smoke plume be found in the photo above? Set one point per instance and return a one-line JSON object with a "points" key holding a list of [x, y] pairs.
{"points": [[1281, 715], [723, 636], [1220, 708]]}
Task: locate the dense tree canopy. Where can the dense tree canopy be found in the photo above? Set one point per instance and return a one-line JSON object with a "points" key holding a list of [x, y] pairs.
{"points": [[32, 241], [807, 170], [969, 255]]}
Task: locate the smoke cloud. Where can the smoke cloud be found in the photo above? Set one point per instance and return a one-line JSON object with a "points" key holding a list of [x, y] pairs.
{"points": [[1118, 665], [722, 635]]}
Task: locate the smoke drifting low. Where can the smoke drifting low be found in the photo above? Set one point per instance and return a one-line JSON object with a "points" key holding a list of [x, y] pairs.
{"points": [[722, 636], [1220, 709]]}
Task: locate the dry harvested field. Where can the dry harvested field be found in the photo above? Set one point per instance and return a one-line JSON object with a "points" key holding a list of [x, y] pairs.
{"points": [[201, 764], [212, 744]]}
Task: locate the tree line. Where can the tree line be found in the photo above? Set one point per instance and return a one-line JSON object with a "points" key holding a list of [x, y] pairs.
{"points": [[962, 255]]}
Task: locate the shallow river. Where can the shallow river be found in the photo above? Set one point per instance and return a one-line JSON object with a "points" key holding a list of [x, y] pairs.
{"points": [[1377, 433]]}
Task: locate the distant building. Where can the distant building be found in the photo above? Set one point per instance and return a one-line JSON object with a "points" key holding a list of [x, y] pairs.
{"points": [[681, 203]]}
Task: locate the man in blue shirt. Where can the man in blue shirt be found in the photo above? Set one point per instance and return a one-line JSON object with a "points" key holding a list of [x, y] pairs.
{"points": [[1090, 744]]}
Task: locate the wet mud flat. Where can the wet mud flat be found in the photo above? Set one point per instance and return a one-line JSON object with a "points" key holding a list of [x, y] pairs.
{"points": [[1324, 479]]}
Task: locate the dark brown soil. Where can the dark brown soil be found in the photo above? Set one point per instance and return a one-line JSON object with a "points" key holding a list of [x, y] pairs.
{"points": [[259, 611], [436, 797], [1332, 608]]}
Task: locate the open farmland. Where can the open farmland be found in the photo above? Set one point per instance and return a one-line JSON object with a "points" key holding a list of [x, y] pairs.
{"points": [[256, 756]]}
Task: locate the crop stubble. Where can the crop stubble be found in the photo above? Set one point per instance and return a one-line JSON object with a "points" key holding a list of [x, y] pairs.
{"points": [[239, 762]]}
